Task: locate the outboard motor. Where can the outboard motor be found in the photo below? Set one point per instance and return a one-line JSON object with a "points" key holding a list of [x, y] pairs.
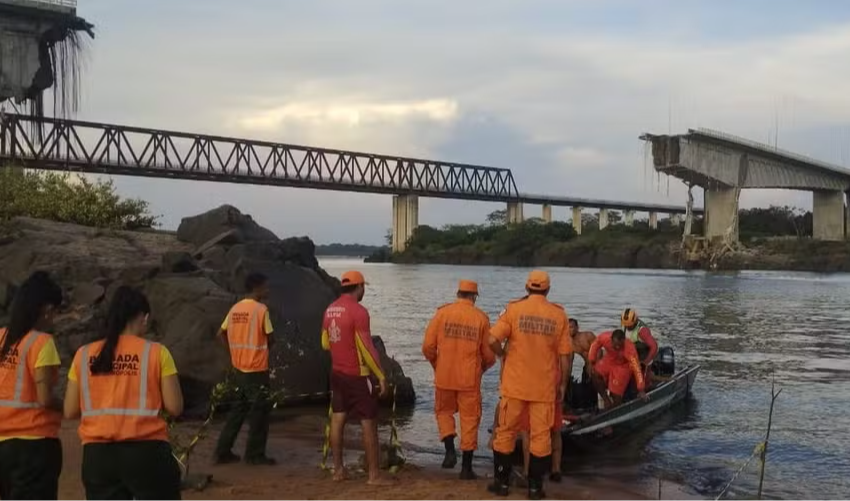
{"points": [[665, 362]]}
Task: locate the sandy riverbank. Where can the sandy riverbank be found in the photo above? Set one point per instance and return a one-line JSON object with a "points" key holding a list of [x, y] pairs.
{"points": [[296, 444]]}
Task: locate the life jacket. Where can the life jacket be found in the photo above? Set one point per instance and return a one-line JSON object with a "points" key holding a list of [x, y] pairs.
{"points": [[632, 334], [20, 413], [125, 404], [249, 350]]}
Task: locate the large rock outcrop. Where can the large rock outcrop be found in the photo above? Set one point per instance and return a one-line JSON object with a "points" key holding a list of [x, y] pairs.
{"points": [[191, 279]]}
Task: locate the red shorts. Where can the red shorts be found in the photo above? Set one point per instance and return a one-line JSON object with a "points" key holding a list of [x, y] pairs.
{"points": [[616, 375], [556, 423], [353, 395]]}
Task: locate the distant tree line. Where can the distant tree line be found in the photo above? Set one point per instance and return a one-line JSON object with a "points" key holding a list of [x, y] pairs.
{"points": [[347, 250]]}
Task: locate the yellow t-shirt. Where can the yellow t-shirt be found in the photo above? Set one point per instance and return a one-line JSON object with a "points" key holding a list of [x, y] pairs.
{"points": [[267, 323], [167, 367], [47, 357]]}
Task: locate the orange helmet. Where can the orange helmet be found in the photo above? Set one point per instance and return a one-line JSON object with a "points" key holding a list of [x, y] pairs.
{"points": [[629, 318]]}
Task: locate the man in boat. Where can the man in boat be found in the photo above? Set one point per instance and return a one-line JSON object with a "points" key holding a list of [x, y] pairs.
{"points": [[613, 371], [639, 333], [581, 342], [456, 345], [538, 333]]}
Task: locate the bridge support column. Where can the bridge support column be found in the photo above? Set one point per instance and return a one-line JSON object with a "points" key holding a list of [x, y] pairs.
{"points": [[577, 220], [721, 213], [603, 219], [405, 220], [515, 213], [828, 215], [630, 218], [653, 220], [547, 213]]}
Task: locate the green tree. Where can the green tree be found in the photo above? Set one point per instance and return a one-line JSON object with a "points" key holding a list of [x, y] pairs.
{"points": [[498, 218], [58, 196]]}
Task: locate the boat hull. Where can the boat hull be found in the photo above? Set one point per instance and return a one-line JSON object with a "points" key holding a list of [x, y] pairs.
{"points": [[599, 428]]}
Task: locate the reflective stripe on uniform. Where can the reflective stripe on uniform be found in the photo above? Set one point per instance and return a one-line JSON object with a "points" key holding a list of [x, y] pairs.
{"points": [[252, 333], [88, 411], [16, 402]]}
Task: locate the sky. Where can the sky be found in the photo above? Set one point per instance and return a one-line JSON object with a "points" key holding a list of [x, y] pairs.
{"points": [[556, 90]]}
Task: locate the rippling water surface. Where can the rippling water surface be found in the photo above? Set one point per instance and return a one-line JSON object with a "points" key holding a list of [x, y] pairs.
{"points": [[742, 328]]}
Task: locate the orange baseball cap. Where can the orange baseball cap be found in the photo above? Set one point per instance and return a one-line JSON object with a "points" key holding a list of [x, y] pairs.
{"points": [[467, 286], [352, 278], [537, 281]]}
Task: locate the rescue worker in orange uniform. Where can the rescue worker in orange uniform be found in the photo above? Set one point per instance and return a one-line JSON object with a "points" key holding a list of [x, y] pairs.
{"points": [[538, 333], [457, 346], [30, 452], [120, 385], [247, 333], [639, 333], [346, 333], [614, 371]]}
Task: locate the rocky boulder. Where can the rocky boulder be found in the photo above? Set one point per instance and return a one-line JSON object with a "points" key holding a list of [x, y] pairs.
{"points": [[191, 278]]}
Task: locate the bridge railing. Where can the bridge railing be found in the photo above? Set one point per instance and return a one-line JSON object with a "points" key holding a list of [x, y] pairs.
{"points": [[72, 145], [55, 4]]}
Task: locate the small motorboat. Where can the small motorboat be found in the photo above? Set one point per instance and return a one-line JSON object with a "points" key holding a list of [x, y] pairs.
{"points": [[585, 424]]}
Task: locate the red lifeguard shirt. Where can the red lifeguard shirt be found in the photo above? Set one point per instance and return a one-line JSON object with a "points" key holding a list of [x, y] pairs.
{"points": [[346, 334]]}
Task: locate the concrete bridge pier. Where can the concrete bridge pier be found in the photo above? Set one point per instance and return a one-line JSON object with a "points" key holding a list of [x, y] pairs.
{"points": [[828, 215], [721, 213], [653, 220], [577, 220], [630, 218], [603, 219], [515, 213], [405, 220], [547, 213]]}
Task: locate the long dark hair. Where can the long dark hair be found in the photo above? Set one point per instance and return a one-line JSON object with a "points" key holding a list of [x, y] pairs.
{"points": [[127, 304], [38, 291]]}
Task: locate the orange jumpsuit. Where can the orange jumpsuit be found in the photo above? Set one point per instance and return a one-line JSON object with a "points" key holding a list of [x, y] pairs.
{"points": [[537, 334], [616, 366], [456, 345]]}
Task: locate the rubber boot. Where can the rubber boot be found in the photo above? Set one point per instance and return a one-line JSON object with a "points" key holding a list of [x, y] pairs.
{"points": [[536, 469], [450, 460], [501, 474], [466, 472]]}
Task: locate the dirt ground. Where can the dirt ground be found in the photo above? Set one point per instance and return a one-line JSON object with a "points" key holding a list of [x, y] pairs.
{"points": [[296, 444]]}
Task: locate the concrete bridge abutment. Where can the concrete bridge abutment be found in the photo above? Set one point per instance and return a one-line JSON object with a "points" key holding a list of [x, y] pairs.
{"points": [[828, 215], [405, 220], [721, 213], [577, 220], [603, 219], [653, 220], [547, 213], [515, 213]]}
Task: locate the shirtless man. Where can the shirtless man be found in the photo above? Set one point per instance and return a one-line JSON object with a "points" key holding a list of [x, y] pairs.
{"points": [[581, 344]]}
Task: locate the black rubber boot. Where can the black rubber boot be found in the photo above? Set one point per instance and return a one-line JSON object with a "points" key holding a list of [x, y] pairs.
{"points": [[466, 472], [450, 460], [501, 474], [536, 470]]}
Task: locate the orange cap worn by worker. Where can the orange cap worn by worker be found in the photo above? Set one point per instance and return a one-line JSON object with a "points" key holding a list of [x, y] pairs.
{"points": [[124, 404], [246, 336], [467, 286], [352, 278], [20, 413], [537, 281]]}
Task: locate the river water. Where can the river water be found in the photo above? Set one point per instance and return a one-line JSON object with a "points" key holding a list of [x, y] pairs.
{"points": [[743, 328]]}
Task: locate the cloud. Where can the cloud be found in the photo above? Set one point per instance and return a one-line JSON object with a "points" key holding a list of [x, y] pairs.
{"points": [[349, 114]]}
